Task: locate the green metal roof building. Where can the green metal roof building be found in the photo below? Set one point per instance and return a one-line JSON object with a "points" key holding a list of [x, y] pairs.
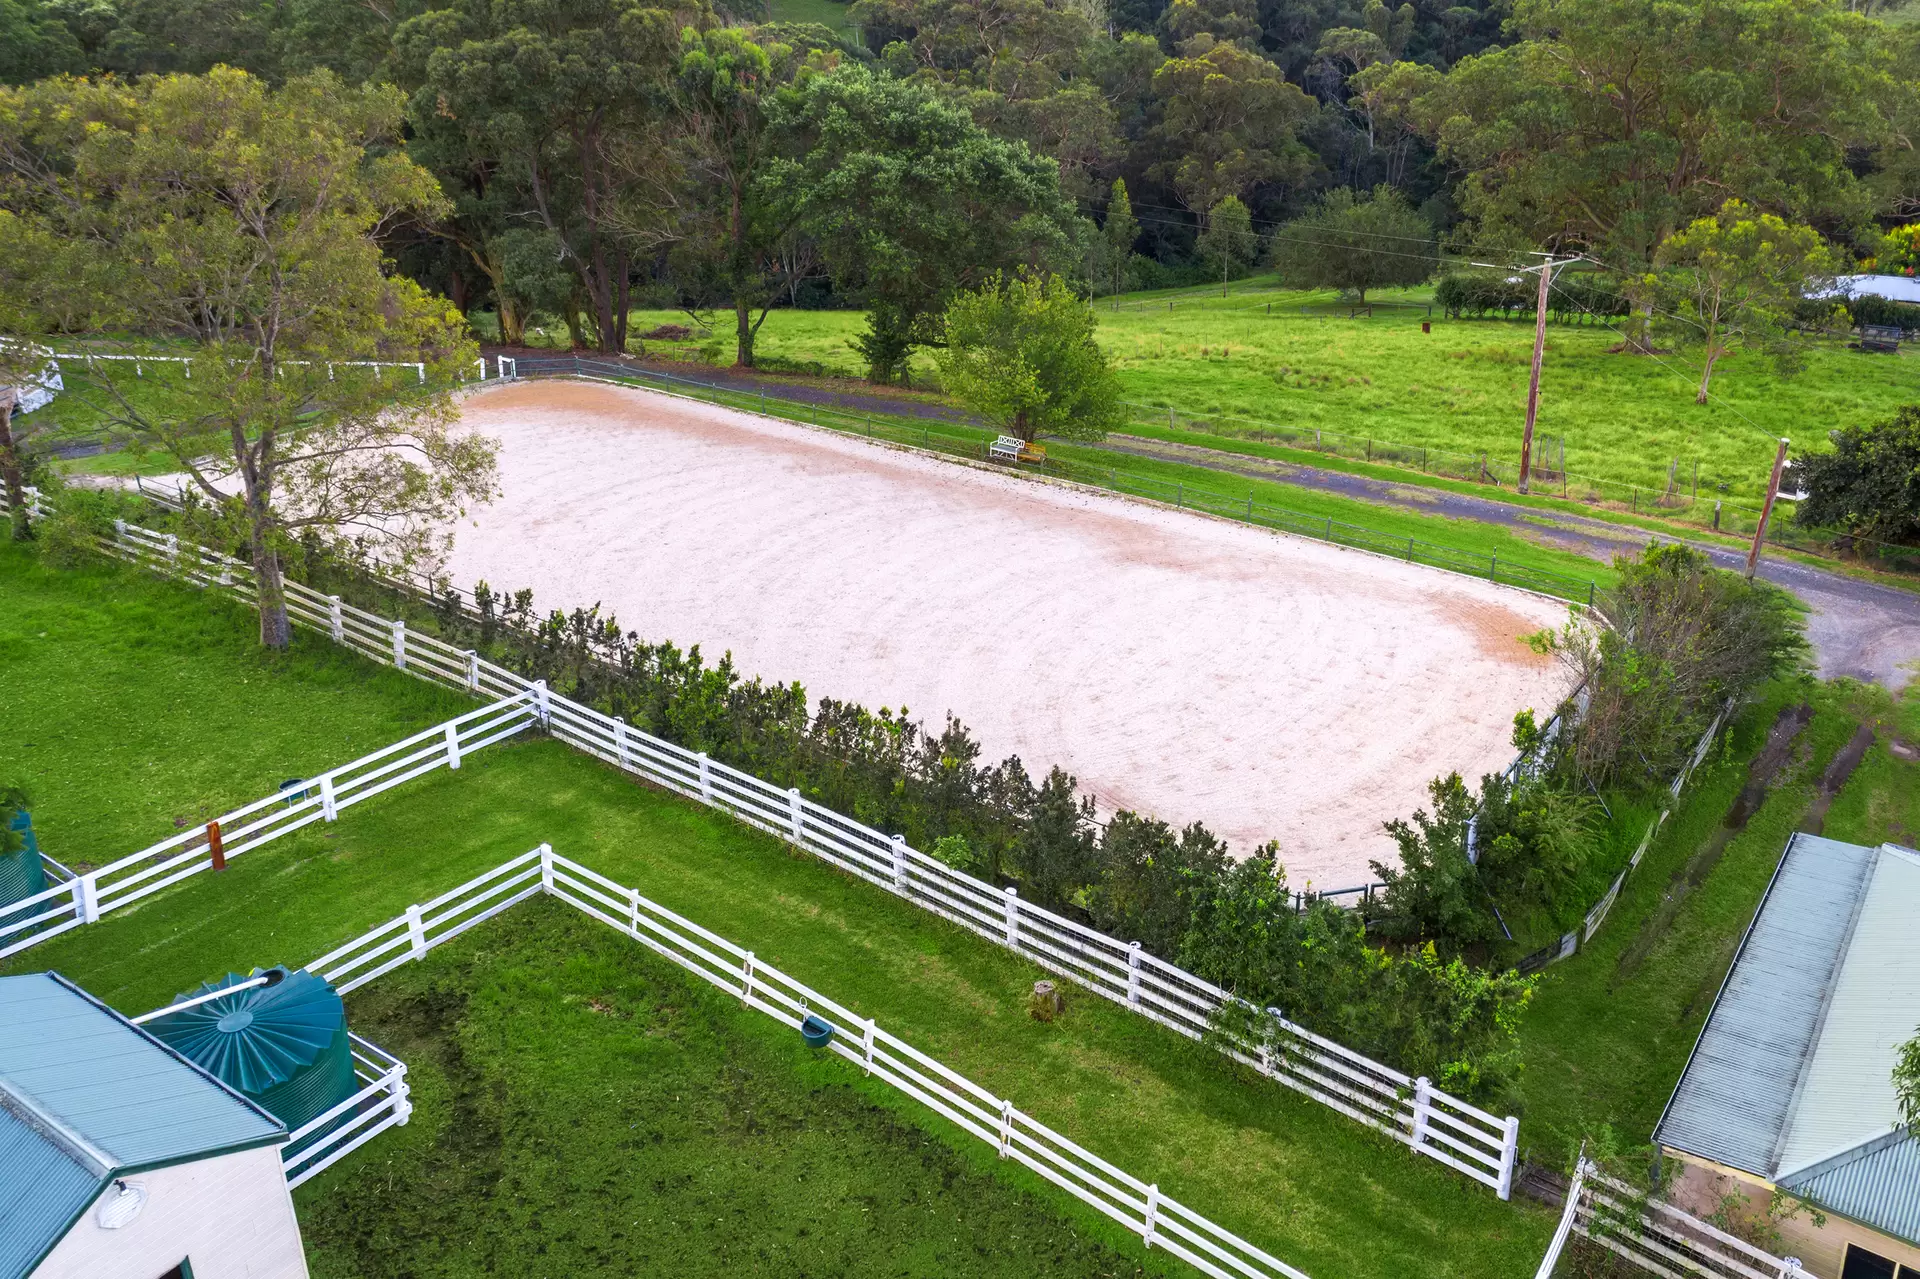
{"points": [[1790, 1084], [118, 1156]]}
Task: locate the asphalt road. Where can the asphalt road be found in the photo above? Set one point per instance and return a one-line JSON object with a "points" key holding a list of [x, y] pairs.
{"points": [[1857, 628]]}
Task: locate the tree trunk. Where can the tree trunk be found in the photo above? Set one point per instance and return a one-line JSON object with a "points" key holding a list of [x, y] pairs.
{"points": [[743, 348], [274, 630], [1021, 427], [513, 325], [1706, 374], [12, 475]]}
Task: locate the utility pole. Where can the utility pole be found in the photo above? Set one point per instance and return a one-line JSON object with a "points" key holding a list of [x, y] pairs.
{"points": [[1766, 510], [1546, 270]]}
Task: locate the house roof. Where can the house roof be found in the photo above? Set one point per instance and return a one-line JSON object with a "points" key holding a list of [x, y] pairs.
{"points": [[1895, 288], [86, 1097], [1791, 1079]]}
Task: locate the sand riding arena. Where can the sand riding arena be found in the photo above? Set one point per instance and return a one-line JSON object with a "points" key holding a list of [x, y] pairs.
{"points": [[1270, 686]]}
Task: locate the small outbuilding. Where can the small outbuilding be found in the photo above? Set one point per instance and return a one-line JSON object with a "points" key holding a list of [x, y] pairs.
{"points": [[1790, 1086], [119, 1157]]}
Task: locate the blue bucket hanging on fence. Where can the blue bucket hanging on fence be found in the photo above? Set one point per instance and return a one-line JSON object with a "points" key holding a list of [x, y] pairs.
{"points": [[817, 1031]]}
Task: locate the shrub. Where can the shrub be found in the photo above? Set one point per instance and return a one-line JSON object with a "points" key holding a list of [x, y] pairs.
{"points": [[1682, 638], [1149, 880], [1455, 1024], [1869, 308], [1869, 484], [1435, 891]]}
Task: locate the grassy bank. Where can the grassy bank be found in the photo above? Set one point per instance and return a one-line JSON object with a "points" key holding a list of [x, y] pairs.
{"points": [[1284, 1172], [1610, 1029]]}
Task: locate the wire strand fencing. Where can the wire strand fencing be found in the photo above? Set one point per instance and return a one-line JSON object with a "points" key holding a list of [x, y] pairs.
{"points": [[1159, 1219], [955, 439], [1429, 1121], [1570, 943], [77, 899], [1656, 1236]]}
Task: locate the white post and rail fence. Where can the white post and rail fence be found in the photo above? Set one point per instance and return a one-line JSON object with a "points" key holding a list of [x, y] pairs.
{"points": [[1654, 1235], [1141, 1207], [1431, 1122]]}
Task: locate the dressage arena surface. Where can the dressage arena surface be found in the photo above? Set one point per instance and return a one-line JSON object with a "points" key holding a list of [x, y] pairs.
{"points": [[1191, 668]]}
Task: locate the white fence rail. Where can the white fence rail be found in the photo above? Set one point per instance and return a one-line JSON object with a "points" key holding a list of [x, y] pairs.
{"points": [[1141, 1207], [1429, 1121], [382, 1102], [1656, 1236], [84, 898]]}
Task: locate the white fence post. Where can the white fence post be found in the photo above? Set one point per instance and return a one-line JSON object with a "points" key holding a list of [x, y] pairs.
{"points": [[86, 898], [746, 979], [1422, 1105], [119, 532], [542, 710], [399, 644], [620, 741], [633, 911], [1567, 1216], [473, 671], [706, 779], [1509, 1155], [453, 745], [329, 804], [402, 1095], [1006, 1129], [900, 862], [546, 868], [335, 621], [869, 1045], [1133, 974], [173, 551], [1153, 1214], [1013, 917], [796, 815], [417, 932]]}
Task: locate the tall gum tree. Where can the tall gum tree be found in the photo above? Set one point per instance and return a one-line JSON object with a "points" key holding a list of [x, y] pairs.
{"points": [[1614, 123], [236, 226], [569, 98]]}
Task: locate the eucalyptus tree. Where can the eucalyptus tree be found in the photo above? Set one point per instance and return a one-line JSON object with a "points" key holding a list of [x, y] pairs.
{"points": [[562, 109], [237, 228]]}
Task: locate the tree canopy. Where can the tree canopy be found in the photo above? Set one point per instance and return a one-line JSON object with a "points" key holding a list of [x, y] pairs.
{"points": [[1020, 352], [1869, 484], [245, 219], [1355, 243]]}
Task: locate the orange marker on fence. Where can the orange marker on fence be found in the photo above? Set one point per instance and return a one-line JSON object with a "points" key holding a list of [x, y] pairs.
{"points": [[214, 846]]}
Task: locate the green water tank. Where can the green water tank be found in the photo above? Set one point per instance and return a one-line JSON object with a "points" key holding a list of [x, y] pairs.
{"points": [[283, 1044], [21, 873]]}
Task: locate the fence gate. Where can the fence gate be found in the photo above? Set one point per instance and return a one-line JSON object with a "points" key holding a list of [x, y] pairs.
{"points": [[1657, 1237]]}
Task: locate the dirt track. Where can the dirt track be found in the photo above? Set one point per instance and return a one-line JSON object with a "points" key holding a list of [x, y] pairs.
{"points": [[1201, 670]]}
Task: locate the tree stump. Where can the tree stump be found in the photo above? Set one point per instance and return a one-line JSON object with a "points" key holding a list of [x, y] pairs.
{"points": [[1047, 1002]]}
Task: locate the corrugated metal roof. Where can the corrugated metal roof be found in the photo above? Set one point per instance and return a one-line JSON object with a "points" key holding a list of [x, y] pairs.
{"points": [[1737, 1093], [86, 1096], [1847, 1093], [1876, 1184]]}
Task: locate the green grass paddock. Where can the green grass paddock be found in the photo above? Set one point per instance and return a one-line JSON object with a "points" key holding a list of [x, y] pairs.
{"points": [[584, 1107], [1461, 387], [1282, 1171]]}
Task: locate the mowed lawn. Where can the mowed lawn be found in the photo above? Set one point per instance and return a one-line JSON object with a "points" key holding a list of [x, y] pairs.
{"points": [[1288, 1174], [1461, 387]]}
